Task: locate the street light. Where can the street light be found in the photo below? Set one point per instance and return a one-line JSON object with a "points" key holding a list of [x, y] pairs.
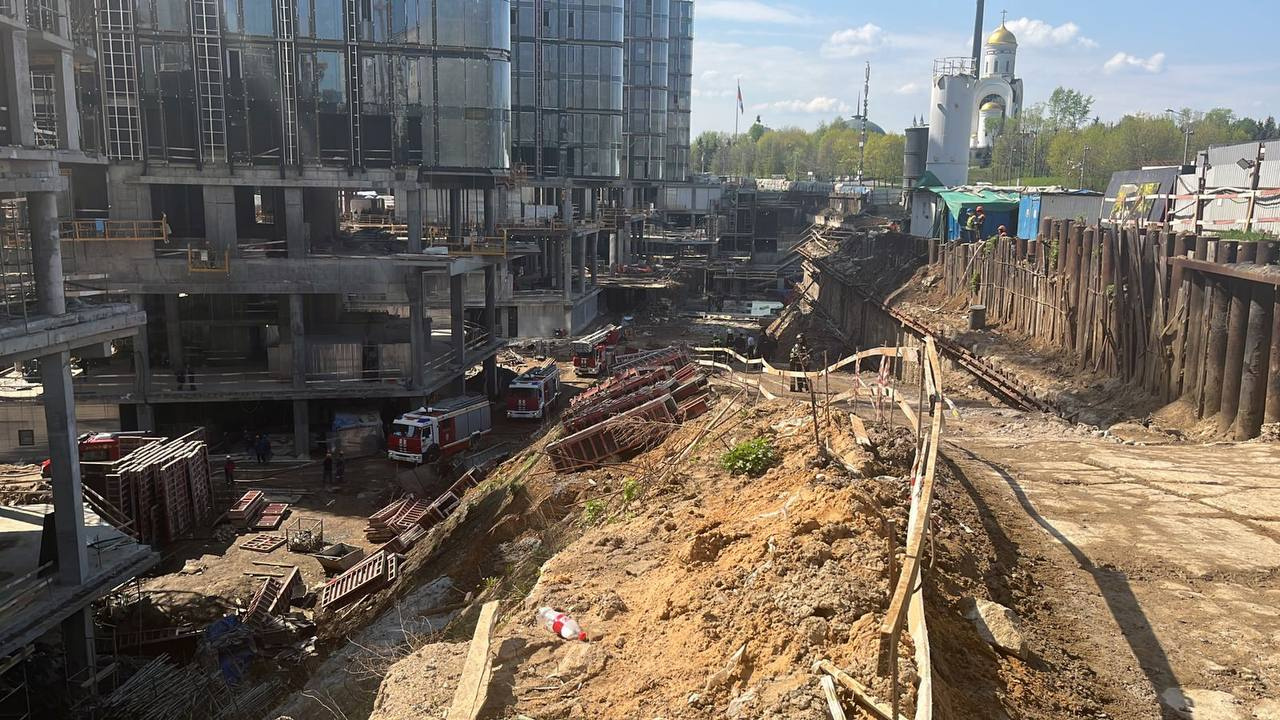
{"points": [[1187, 132], [1083, 153]]}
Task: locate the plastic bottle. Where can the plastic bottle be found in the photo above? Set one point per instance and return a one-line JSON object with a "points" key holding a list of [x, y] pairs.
{"points": [[560, 624]]}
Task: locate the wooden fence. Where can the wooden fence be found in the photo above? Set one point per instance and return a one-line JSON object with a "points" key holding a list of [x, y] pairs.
{"points": [[1185, 317]]}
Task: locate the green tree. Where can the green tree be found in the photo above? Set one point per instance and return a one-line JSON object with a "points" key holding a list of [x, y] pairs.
{"points": [[706, 150], [1067, 109], [756, 131]]}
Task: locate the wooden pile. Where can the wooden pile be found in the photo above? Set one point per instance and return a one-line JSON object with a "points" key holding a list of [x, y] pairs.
{"points": [[161, 490]]}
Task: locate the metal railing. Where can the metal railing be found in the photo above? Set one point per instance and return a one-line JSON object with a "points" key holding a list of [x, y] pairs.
{"points": [[206, 260], [100, 230]]}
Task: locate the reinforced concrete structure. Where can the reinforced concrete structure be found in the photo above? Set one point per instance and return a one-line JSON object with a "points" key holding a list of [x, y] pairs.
{"points": [[56, 558], [302, 158]]}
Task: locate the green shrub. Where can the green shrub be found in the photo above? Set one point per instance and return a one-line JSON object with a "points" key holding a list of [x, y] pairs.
{"points": [[751, 458], [593, 512], [630, 490]]}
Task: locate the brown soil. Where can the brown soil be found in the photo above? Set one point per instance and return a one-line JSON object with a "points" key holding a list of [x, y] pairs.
{"points": [[1080, 395], [790, 567]]}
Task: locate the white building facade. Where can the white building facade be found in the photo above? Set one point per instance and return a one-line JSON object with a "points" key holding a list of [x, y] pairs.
{"points": [[998, 93]]}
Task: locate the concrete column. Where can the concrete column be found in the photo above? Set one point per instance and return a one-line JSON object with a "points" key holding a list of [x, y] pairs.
{"points": [[455, 214], [413, 218], [46, 252], [457, 327], [615, 238], [298, 339], [490, 326], [173, 331], [78, 645], [490, 213], [295, 227], [595, 258], [582, 261], [220, 218], [141, 352], [68, 498], [567, 271], [418, 339], [21, 122], [301, 430], [68, 108], [624, 243]]}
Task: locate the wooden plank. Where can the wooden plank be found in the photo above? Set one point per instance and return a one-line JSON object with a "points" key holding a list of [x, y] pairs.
{"points": [[891, 627], [861, 693], [859, 430], [473, 685], [833, 700]]}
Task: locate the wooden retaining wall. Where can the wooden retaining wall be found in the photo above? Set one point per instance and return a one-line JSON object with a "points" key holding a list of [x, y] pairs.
{"points": [[1192, 318]]}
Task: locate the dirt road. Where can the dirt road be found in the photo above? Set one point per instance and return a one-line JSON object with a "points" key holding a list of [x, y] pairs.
{"points": [[1160, 564]]}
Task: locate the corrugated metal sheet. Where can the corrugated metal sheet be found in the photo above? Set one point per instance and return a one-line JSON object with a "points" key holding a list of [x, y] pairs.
{"points": [[1223, 168], [1073, 206], [1269, 174], [1222, 209]]}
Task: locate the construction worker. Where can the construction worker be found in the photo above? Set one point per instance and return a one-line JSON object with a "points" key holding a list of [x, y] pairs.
{"points": [[1002, 232], [799, 363], [339, 468], [328, 468], [229, 471], [973, 226]]}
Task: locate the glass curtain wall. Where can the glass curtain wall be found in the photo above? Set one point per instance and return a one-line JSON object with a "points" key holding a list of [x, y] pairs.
{"points": [[567, 70], [679, 90], [647, 32], [344, 83]]}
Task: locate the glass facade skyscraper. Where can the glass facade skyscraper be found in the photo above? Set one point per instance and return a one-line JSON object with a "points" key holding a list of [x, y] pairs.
{"points": [[647, 31], [567, 73], [679, 90], [349, 83]]}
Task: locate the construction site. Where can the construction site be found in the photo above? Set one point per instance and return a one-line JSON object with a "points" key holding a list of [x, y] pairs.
{"points": [[393, 360]]}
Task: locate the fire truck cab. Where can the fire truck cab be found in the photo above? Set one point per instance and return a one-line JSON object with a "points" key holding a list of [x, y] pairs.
{"points": [[593, 354], [534, 392], [96, 447], [447, 427]]}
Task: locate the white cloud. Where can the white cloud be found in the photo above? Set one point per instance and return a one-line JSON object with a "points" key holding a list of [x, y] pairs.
{"points": [[910, 88], [819, 104], [852, 42], [1038, 33], [749, 11], [1124, 61]]}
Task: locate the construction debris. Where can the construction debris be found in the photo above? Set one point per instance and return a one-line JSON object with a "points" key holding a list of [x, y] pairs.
{"points": [[649, 393]]}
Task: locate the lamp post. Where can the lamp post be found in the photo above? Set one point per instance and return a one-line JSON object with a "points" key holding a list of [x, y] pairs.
{"points": [[1083, 152], [1187, 132]]}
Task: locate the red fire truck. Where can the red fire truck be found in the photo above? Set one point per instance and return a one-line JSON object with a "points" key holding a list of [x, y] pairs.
{"points": [[593, 354], [100, 447], [447, 427], [534, 392]]}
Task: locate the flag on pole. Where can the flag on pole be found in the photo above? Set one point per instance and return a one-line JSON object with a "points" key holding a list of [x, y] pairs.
{"points": [[740, 108]]}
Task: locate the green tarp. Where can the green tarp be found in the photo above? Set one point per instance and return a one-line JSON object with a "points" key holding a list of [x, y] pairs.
{"points": [[989, 199]]}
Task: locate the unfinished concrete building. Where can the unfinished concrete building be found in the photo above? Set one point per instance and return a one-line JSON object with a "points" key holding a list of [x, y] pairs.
{"points": [[57, 557], [276, 143]]}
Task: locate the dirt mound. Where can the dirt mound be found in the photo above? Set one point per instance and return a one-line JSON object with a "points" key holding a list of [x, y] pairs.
{"points": [[711, 595]]}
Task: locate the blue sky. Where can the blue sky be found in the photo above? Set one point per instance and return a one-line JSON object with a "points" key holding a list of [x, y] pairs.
{"points": [[800, 62]]}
